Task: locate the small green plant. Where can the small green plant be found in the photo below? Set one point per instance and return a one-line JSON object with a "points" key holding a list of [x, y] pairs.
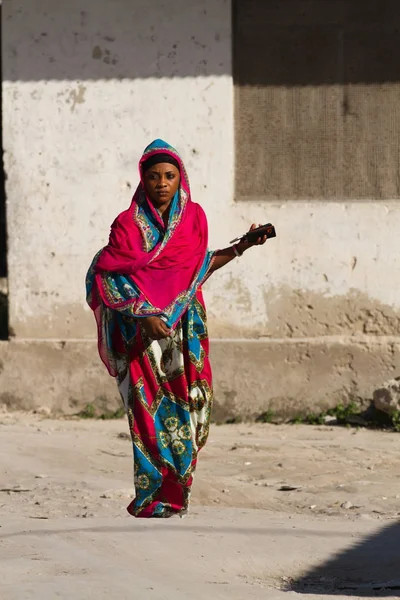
{"points": [[116, 414], [343, 412], [234, 420], [396, 420], [89, 412], [310, 419], [314, 419], [299, 420], [266, 417]]}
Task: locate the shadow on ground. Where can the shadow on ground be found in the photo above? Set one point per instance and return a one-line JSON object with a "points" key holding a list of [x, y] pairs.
{"points": [[371, 567]]}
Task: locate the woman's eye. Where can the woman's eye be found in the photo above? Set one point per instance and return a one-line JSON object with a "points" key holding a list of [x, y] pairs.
{"points": [[170, 176]]}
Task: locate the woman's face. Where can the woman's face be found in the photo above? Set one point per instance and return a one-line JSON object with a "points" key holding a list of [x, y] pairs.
{"points": [[161, 182]]}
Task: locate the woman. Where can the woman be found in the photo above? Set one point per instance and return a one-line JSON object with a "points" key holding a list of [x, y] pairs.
{"points": [[145, 290]]}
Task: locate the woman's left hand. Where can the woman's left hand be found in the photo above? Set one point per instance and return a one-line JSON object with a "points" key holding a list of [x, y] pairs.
{"points": [[155, 328], [242, 246]]}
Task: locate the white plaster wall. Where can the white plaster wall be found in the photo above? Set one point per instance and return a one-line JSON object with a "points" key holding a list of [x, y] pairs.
{"points": [[85, 91]]}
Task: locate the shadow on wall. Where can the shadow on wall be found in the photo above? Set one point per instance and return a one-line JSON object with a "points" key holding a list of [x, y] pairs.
{"points": [[309, 42], [3, 230], [296, 42], [47, 40], [3, 316], [370, 567]]}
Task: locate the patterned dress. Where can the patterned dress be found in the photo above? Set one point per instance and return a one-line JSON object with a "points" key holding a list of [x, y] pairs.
{"points": [[166, 389]]}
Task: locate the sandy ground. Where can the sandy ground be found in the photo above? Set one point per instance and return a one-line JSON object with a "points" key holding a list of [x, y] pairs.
{"points": [[277, 511]]}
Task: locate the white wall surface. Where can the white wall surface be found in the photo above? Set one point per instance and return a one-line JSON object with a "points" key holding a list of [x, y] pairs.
{"points": [[85, 91]]}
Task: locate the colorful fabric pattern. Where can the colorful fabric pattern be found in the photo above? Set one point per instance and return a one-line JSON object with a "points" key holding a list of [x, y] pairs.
{"points": [[148, 269], [167, 391]]}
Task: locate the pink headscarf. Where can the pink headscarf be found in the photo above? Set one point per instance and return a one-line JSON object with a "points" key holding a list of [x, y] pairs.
{"points": [[163, 273]]}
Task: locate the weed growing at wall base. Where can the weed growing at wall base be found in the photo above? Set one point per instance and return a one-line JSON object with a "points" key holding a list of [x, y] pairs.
{"points": [[266, 417], [89, 412], [396, 420], [351, 415]]}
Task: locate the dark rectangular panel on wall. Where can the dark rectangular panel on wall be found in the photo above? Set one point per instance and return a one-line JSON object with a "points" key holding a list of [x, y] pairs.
{"points": [[317, 97], [3, 230]]}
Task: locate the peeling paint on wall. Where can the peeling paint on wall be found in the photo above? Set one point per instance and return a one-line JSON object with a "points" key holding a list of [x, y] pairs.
{"points": [[76, 96], [298, 313]]}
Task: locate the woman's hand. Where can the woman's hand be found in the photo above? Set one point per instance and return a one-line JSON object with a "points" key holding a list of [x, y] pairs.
{"points": [[242, 246], [223, 257], [155, 328]]}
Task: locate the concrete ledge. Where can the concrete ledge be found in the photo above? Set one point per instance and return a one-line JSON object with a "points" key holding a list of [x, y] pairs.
{"points": [[292, 377], [60, 376], [287, 376]]}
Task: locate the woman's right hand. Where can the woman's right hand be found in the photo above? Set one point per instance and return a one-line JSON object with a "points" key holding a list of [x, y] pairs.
{"points": [[242, 246], [155, 328]]}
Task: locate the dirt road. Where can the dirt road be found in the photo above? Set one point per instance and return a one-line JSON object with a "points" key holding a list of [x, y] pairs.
{"points": [[276, 512]]}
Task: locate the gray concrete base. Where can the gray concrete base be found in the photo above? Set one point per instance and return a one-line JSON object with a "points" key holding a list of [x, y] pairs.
{"points": [[292, 377], [288, 376], [61, 376]]}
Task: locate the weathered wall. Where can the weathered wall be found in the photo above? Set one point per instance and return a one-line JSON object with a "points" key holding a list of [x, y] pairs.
{"points": [[250, 376], [85, 90]]}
